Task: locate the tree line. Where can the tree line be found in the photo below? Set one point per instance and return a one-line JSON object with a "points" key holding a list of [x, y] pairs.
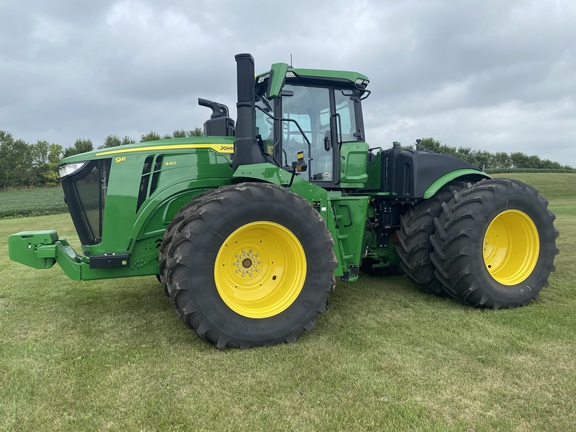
{"points": [[27, 165], [499, 161]]}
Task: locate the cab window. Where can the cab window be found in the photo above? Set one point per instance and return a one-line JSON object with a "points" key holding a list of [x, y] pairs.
{"points": [[345, 115], [310, 107]]}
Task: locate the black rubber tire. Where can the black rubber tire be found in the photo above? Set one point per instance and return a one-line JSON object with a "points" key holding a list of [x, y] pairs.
{"points": [[202, 231], [414, 247], [458, 245], [169, 233]]}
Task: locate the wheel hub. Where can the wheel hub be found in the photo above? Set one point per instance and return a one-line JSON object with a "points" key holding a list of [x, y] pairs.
{"points": [[260, 269], [246, 263], [511, 247]]}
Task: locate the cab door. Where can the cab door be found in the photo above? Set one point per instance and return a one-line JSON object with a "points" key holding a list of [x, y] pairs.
{"points": [[317, 121], [307, 128]]}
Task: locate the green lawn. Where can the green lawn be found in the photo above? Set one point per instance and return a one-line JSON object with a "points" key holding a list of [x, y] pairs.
{"points": [[112, 355]]}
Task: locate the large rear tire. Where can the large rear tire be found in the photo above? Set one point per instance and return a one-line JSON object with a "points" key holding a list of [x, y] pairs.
{"points": [[250, 265], [495, 244], [414, 247]]}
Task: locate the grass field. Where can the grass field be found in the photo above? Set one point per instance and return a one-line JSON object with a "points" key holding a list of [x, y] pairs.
{"points": [[112, 355], [32, 202]]}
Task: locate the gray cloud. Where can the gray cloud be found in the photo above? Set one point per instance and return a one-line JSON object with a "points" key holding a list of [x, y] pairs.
{"points": [[491, 75]]}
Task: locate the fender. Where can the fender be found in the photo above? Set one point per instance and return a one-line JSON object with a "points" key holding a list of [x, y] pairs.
{"points": [[463, 174]]}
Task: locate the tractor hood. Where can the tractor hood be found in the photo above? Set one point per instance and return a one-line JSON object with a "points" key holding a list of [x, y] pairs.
{"points": [[218, 144]]}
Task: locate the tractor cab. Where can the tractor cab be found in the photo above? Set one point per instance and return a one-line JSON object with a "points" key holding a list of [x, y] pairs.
{"points": [[314, 116]]}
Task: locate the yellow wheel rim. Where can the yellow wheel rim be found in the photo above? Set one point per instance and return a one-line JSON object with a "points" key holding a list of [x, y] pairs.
{"points": [[260, 269], [511, 247]]}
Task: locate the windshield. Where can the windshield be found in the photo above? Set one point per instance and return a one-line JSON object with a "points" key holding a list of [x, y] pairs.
{"points": [[265, 126]]}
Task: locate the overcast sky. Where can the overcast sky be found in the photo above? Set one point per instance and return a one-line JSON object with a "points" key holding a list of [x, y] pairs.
{"points": [[495, 75]]}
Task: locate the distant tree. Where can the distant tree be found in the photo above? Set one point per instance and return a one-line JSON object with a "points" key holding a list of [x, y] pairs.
{"points": [[548, 164], [519, 160], [429, 144], [40, 152], [15, 161], [127, 140], [39, 168], [436, 146], [54, 155], [111, 141], [502, 160], [465, 151], [115, 141], [482, 159], [150, 136], [534, 162], [80, 146], [181, 133]]}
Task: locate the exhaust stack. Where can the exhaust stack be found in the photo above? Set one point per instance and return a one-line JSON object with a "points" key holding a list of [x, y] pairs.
{"points": [[246, 150]]}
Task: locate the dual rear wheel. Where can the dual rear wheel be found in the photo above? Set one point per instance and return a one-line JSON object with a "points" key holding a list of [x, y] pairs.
{"points": [[491, 244]]}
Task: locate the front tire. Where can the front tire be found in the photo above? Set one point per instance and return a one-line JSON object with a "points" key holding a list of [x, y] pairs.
{"points": [[250, 265], [495, 244], [167, 238]]}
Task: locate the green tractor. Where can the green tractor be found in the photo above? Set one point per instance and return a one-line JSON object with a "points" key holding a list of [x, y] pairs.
{"points": [[248, 226]]}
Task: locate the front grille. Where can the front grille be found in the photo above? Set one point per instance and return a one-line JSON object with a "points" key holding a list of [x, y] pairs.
{"points": [[85, 194]]}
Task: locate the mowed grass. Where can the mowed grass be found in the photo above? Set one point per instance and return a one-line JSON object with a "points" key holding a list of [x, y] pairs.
{"points": [[113, 355]]}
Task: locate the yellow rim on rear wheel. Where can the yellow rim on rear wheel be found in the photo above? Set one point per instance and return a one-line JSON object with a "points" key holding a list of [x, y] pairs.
{"points": [[511, 247], [260, 269]]}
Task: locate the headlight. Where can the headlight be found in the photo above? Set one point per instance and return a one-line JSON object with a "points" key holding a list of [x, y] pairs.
{"points": [[70, 168]]}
